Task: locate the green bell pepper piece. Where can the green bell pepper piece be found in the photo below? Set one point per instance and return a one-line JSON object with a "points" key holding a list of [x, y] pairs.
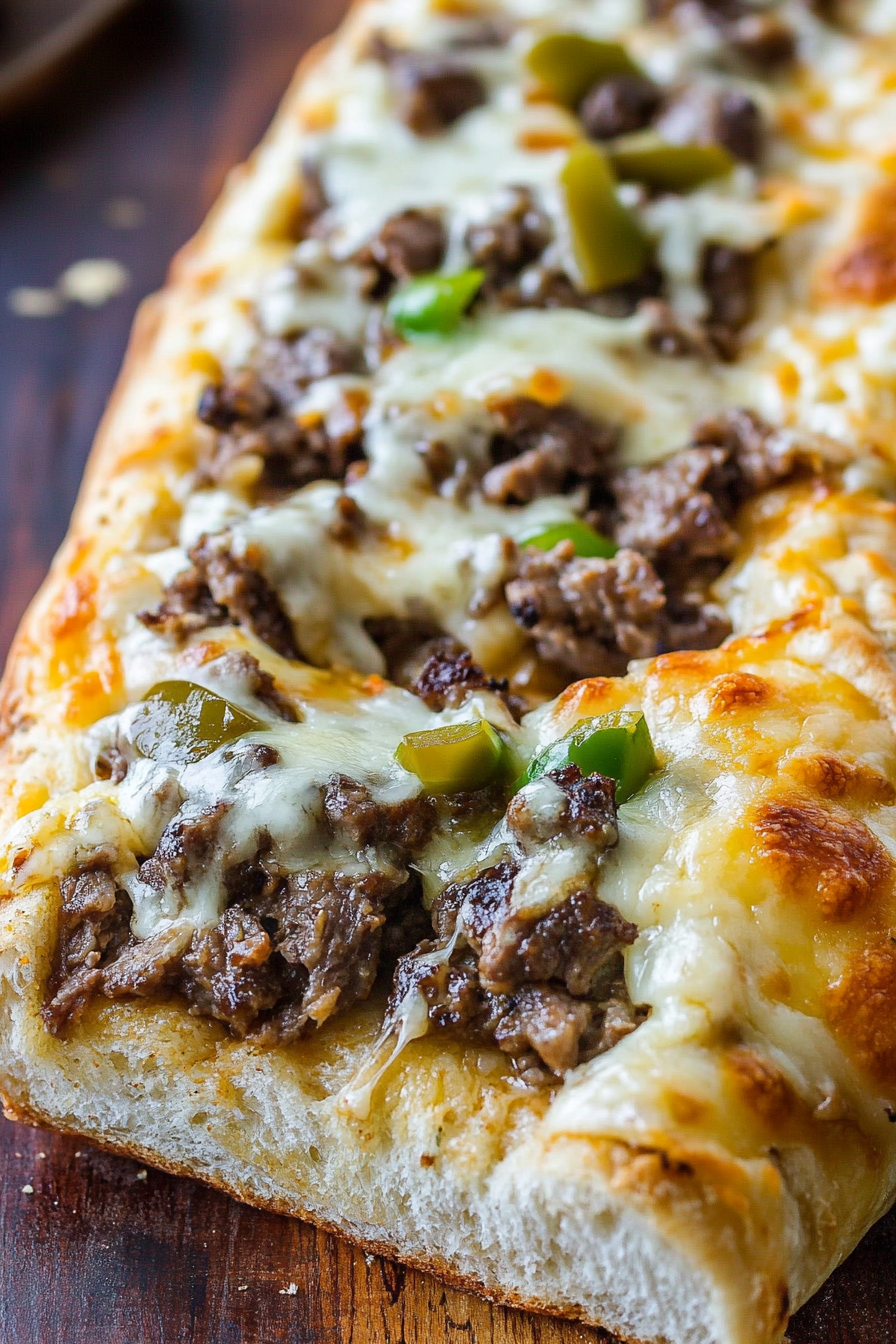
{"points": [[645, 157], [455, 758], [179, 723], [617, 745], [433, 305], [607, 241], [586, 541], [569, 64]]}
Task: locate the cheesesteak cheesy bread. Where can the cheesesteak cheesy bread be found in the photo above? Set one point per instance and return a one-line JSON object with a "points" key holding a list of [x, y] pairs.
{"points": [[449, 776]]}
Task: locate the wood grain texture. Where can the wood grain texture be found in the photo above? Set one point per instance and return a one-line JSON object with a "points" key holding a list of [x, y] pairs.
{"points": [[103, 1252]]}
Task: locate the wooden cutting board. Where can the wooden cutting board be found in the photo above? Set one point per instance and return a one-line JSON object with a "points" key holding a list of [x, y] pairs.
{"points": [[96, 1250], [36, 36]]}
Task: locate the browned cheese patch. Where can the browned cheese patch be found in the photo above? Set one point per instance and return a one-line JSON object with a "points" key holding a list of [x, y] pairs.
{"points": [[866, 271], [736, 692], [760, 1086], [861, 1007], [833, 777], [824, 856]]}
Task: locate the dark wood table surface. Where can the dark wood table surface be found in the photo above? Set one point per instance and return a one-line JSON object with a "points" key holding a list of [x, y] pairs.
{"points": [[122, 162]]}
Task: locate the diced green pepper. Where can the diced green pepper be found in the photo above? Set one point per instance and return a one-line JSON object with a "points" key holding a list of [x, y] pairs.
{"points": [[607, 241], [586, 541], [180, 722], [451, 759], [645, 157], [433, 305], [617, 745], [569, 64]]}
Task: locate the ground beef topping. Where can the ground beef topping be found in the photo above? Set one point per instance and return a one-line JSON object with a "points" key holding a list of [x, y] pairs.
{"points": [[288, 951], [221, 588], [547, 989], [511, 237], [544, 450], [250, 410], [410, 243], [588, 616], [449, 675], [619, 105], [433, 90], [674, 523]]}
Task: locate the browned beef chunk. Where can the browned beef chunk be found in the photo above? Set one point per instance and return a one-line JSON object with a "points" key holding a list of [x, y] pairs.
{"points": [[765, 41], [679, 514], [222, 588], [330, 927], [727, 277], [353, 812], [449, 675], [226, 974], [250, 411], [618, 106], [242, 666], [477, 34], [704, 115], [513, 236], [678, 505], [410, 243], [404, 643], [93, 925], [587, 808], [186, 847], [548, 983], [144, 968], [433, 90], [542, 286], [543, 450], [589, 616]]}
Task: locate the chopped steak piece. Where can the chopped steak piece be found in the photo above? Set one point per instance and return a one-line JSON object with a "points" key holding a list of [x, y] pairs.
{"points": [[449, 675], [764, 40], [289, 367], [586, 807], [727, 277], [410, 243], [242, 666], [589, 616], [543, 450], [404, 643], [94, 920], [759, 457], [675, 506], [513, 236], [144, 968], [351, 810], [619, 105], [111, 764], [477, 34], [330, 926], [186, 848], [545, 1019], [549, 983], [704, 115], [249, 409], [221, 588], [226, 972], [433, 91]]}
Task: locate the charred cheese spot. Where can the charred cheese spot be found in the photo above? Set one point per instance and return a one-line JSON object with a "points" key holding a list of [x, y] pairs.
{"points": [[824, 856], [861, 1008], [735, 692], [866, 271], [833, 777], [760, 1086]]}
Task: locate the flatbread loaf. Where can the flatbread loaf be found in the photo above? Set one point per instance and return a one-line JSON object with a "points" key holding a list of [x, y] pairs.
{"points": [[448, 778]]}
